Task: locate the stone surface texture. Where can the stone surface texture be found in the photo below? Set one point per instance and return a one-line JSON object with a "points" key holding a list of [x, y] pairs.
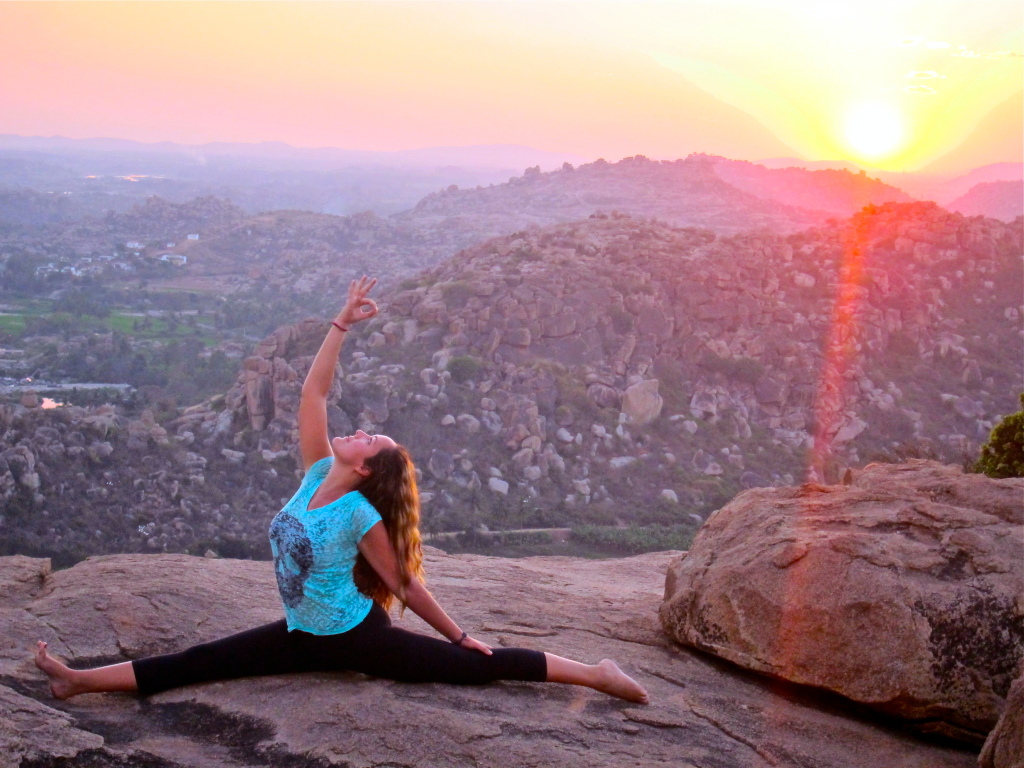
{"points": [[1004, 747], [901, 591], [703, 713]]}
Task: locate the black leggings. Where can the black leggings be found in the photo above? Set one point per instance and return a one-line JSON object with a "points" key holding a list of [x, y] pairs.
{"points": [[373, 647]]}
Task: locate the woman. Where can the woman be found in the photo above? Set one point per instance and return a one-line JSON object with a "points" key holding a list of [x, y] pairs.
{"points": [[344, 546]]}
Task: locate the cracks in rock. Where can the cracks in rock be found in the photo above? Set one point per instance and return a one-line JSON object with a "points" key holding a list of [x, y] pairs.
{"points": [[663, 676], [608, 636], [768, 758], [70, 649]]}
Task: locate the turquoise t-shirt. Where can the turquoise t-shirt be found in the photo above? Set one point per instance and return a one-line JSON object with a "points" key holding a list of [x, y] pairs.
{"points": [[314, 553]]}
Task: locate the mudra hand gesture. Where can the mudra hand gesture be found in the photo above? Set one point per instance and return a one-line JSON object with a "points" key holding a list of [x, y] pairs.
{"points": [[358, 307]]}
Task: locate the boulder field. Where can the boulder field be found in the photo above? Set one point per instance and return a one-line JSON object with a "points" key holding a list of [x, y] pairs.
{"points": [[901, 591], [704, 713]]}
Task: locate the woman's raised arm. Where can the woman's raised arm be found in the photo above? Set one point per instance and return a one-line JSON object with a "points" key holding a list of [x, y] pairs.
{"points": [[314, 442]]}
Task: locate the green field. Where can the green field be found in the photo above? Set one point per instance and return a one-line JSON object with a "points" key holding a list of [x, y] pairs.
{"points": [[13, 316], [13, 313], [12, 323]]}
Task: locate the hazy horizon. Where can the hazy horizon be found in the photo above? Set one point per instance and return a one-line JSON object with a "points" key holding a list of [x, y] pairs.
{"points": [[883, 85]]}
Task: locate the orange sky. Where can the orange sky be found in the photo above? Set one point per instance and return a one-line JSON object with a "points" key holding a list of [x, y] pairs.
{"points": [[747, 79]]}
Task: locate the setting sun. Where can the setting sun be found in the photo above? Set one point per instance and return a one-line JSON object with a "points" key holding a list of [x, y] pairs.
{"points": [[873, 129]]}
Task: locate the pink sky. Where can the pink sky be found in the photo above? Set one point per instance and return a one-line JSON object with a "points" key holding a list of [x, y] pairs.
{"points": [[747, 79]]}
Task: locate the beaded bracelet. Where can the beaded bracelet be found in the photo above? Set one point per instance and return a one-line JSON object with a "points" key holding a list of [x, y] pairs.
{"points": [[459, 641], [339, 327]]}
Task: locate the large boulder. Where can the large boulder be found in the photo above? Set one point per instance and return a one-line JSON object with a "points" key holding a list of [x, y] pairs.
{"points": [[1004, 747], [642, 403], [901, 591]]}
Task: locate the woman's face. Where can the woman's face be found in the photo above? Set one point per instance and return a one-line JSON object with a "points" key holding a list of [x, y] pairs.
{"points": [[356, 449]]}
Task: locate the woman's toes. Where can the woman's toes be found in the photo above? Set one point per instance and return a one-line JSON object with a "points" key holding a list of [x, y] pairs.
{"points": [[618, 683]]}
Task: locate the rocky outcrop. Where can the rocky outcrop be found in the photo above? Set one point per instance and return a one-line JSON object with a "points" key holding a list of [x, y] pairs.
{"points": [[80, 480], [901, 591], [1004, 747], [266, 396], [702, 713], [685, 192], [839, 192]]}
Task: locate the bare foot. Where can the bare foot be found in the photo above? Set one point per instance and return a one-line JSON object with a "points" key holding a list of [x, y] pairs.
{"points": [[614, 681], [62, 683]]}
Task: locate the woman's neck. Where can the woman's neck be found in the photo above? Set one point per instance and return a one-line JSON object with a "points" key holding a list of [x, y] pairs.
{"points": [[340, 479]]}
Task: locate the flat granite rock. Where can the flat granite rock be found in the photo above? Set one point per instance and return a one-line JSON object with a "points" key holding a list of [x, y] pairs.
{"points": [[704, 713], [32, 731]]}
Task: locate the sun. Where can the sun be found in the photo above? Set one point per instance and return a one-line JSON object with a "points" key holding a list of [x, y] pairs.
{"points": [[873, 129]]}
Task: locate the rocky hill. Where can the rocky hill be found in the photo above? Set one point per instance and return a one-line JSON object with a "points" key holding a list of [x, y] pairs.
{"points": [[158, 219], [22, 209], [606, 371], [293, 254], [825, 348], [996, 199], [77, 481], [838, 192], [683, 193], [703, 712]]}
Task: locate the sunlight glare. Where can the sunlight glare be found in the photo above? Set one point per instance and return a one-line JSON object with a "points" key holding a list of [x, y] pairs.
{"points": [[873, 129]]}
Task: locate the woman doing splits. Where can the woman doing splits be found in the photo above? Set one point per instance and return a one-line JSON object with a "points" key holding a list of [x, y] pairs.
{"points": [[344, 546]]}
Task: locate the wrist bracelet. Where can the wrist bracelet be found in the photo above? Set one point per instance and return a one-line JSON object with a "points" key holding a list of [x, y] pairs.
{"points": [[339, 327], [459, 641]]}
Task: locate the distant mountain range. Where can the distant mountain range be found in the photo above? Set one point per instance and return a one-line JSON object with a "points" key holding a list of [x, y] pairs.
{"points": [[114, 174], [508, 157], [837, 191], [996, 199], [97, 175]]}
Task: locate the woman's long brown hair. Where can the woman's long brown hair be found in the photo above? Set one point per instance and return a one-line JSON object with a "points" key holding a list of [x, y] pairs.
{"points": [[391, 488]]}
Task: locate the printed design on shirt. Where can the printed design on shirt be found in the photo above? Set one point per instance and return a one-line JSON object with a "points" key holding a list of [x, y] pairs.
{"points": [[293, 557]]}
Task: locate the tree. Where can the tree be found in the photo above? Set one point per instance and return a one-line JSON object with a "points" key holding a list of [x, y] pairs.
{"points": [[1003, 454]]}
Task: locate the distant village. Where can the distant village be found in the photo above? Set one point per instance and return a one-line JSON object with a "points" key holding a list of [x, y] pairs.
{"points": [[124, 258]]}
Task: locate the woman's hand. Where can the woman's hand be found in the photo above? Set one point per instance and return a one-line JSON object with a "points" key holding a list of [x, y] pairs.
{"points": [[358, 307], [473, 644]]}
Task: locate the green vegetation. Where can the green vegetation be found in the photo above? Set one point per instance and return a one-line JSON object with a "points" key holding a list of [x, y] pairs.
{"points": [[634, 539], [525, 253], [590, 541], [743, 369], [622, 321], [464, 368], [12, 323], [1003, 454], [456, 293]]}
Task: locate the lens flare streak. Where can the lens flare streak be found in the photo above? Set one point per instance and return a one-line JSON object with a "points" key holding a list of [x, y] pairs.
{"points": [[840, 355]]}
